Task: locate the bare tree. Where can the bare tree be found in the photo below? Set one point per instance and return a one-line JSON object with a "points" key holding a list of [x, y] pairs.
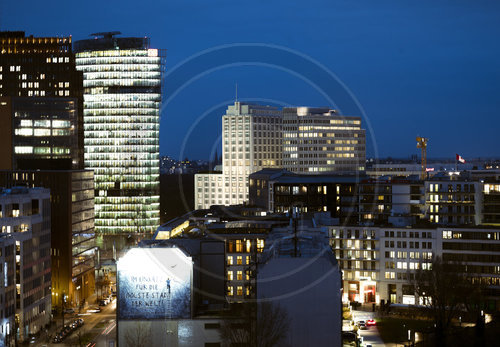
{"points": [[268, 329], [81, 338], [273, 324], [445, 291], [139, 335]]}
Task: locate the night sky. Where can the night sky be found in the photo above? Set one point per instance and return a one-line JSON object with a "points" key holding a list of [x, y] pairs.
{"points": [[428, 68]]}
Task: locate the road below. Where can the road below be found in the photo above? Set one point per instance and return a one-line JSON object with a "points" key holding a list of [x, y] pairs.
{"points": [[99, 326]]}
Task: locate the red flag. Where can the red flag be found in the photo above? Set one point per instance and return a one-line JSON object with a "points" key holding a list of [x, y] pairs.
{"points": [[460, 159]]}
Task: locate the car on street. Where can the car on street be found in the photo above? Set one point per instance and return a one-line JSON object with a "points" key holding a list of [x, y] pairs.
{"points": [[362, 326], [370, 322], [94, 309]]}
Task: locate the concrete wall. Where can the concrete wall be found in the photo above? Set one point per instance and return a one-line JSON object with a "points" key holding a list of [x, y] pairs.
{"points": [[171, 333]]}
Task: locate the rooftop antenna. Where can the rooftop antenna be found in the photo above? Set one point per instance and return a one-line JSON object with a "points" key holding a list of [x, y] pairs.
{"points": [[236, 97]]}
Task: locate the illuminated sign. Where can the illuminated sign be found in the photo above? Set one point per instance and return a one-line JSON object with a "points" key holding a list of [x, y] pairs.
{"points": [[154, 283]]}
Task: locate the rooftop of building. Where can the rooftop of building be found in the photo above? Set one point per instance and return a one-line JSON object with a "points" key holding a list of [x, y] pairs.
{"points": [[285, 176], [108, 40], [22, 191], [296, 241]]}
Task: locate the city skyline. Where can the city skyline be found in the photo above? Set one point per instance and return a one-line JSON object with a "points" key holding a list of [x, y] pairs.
{"points": [[433, 65]]}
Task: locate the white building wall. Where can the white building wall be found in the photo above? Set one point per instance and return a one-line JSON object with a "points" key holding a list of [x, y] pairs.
{"points": [[251, 141]]}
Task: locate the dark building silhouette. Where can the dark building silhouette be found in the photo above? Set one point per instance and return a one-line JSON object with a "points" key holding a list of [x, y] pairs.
{"points": [[41, 145], [42, 68]]}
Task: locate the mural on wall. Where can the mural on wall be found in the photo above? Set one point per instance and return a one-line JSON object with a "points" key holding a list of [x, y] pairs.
{"points": [[154, 283]]}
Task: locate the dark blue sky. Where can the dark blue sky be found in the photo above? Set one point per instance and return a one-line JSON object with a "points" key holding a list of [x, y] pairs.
{"points": [[429, 68]]}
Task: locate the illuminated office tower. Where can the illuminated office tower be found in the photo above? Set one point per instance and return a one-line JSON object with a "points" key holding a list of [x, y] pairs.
{"points": [[317, 140], [122, 95], [251, 141]]}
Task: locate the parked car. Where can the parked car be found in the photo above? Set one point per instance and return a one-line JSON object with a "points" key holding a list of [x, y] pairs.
{"points": [[362, 326], [370, 322]]}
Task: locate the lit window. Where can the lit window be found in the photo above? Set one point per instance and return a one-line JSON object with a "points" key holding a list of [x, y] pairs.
{"points": [[23, 149]]}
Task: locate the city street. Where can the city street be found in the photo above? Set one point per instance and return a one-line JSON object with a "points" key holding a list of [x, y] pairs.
{"points": [[370, 335], [101, 326]]}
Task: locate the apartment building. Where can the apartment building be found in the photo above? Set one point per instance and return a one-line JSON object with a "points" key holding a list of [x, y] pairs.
{"points": [[379, 263], [452, 200], [25, 217], [73, 237]]}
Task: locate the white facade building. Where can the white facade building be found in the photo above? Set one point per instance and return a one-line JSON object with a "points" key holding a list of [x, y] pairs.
{"points": [[251, 140], [379, 263]]}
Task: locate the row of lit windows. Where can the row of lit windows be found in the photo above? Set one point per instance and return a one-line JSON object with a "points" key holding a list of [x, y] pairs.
{"points": [[117, 133], [122, 104], [123, 97], [357, 275], [239, 290], [124, 143], [41, 150], [127, 200], [239, 276], [122, 83], [404, 255], [119, 53], [119, 67], [125, 172], [134, 219], [57, 60], [41, 132], [138, 75]]}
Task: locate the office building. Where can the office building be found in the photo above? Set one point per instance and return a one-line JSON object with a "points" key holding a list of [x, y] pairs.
{"points": [[251, 140], [42, 68], [41, 137], [39, 133], [319, 140], [73, 239], [25, 217], [122, 95]]}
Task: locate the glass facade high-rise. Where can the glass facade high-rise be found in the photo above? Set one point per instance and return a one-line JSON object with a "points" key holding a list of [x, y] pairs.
{"points": [[122, 95]]}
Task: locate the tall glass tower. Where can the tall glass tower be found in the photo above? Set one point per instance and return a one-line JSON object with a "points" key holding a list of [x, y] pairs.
{"points": [[122, 95]]}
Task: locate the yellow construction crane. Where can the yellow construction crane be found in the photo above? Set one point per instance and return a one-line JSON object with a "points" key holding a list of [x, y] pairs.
{"points": [[422, 144]]}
